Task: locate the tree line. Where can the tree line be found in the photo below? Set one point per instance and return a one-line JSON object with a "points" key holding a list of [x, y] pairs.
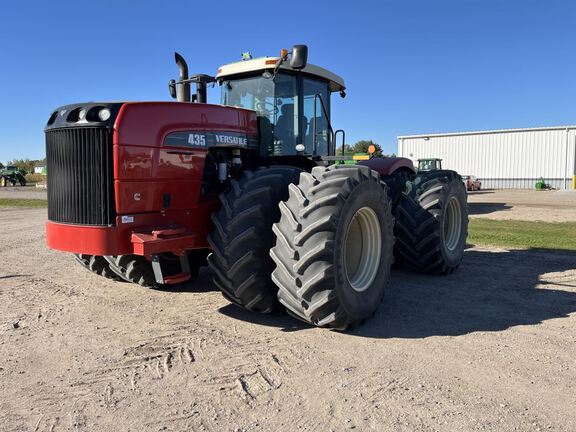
{"points": [[24, 164], [362, 147]]}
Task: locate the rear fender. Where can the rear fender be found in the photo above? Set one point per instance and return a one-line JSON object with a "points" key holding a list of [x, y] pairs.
{"points": [[388, 166]]}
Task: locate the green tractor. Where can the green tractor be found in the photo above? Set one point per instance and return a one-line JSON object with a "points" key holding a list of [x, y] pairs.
{"points": [[542, 185], [12, 174], [431, 164]]}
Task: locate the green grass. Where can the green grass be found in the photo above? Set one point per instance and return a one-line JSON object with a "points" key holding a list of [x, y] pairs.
{"points": [[522, 234], [17, 202]]}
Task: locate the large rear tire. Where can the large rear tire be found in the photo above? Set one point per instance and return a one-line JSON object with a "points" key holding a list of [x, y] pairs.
{"points": [[97, 264], [133, 268], [242, 237], [432, 223], [334, 246]]}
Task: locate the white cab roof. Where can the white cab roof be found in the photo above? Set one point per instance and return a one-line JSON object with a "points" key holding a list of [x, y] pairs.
{"points": [[264, 63]]}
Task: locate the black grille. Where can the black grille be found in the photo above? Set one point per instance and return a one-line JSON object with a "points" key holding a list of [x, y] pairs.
{"points": [[80, 176]]}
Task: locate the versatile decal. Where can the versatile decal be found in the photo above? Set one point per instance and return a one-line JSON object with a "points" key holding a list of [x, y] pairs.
{"points": [[196, 139]]}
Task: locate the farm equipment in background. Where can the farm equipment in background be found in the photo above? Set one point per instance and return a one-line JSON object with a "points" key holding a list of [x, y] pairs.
{"points": [[472, 183], [432, 164], [356, 157], [12, 175], [542, 185], [148, 192]]}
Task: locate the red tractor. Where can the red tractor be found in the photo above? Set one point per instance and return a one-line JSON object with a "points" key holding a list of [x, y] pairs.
{"points": [[148, 192]]}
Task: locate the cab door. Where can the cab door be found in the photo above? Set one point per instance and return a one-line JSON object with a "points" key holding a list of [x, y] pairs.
{"points": [[310, 88]]}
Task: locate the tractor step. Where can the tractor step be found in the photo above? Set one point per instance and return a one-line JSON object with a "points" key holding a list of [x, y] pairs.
{"points": [[174, 279], [175, 240]]}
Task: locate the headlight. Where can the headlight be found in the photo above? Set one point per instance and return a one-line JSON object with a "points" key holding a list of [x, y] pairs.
{"points": [[82, 114], [104, 114]]}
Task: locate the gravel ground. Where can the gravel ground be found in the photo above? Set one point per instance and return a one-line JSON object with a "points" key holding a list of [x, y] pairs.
{"points": [[523, 204], [23, 192], [491, 347]]}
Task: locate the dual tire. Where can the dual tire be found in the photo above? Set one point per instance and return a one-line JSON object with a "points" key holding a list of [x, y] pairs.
{"points": [[326, 237], [432, 223]]}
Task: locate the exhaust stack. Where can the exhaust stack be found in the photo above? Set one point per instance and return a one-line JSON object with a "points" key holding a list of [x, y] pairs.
{"points": [[183, 86]]}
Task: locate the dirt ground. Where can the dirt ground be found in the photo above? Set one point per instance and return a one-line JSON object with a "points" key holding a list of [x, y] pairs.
{"points": [[524, 204], [491, 347]]}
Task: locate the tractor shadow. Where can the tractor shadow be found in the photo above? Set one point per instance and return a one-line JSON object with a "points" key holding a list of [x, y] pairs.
{"points": [[481, 208], [283, 321], [201, 283], [491, 291], [481, 192]]}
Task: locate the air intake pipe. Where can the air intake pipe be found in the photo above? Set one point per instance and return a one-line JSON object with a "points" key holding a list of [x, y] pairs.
{"points": [[183, 86]]}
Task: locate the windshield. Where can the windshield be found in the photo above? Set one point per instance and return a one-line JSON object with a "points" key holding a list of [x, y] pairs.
{"points": [[428, 164], [275, 102], [285, 110], [256, 93]]}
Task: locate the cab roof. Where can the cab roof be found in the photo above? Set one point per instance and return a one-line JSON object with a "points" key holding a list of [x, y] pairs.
{"points": [[267, 63]]}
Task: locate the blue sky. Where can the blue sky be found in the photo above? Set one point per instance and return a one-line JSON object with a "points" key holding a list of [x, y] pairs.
{"points": [[410, 66]]}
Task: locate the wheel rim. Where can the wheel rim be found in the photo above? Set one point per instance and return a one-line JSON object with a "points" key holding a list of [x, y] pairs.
{"points": [[452, 224], [362, 249]]}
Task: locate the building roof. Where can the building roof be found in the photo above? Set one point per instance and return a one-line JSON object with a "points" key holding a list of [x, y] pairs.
{"points": [[485, 132], [264, 63]]}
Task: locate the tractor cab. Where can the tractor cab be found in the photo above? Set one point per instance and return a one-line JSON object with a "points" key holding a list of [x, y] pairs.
{"points": [[291, 99], [432, 164]]}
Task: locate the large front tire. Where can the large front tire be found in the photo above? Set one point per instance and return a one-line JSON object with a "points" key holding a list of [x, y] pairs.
{"points": [[334, 246], [432, 223], [242, 237]]}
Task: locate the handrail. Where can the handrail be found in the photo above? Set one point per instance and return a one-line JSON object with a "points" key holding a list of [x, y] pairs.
{"points": [[343, 140]]}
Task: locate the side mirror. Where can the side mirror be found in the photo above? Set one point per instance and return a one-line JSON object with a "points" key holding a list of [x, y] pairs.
{"points": [[172, 88], [299, 57]]}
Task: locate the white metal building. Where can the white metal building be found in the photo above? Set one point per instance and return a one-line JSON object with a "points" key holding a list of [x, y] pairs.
{"points": [[513, 158]]}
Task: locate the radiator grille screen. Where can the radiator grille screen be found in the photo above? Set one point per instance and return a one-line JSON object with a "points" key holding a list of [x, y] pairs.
{"points": [[80, 176]]}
